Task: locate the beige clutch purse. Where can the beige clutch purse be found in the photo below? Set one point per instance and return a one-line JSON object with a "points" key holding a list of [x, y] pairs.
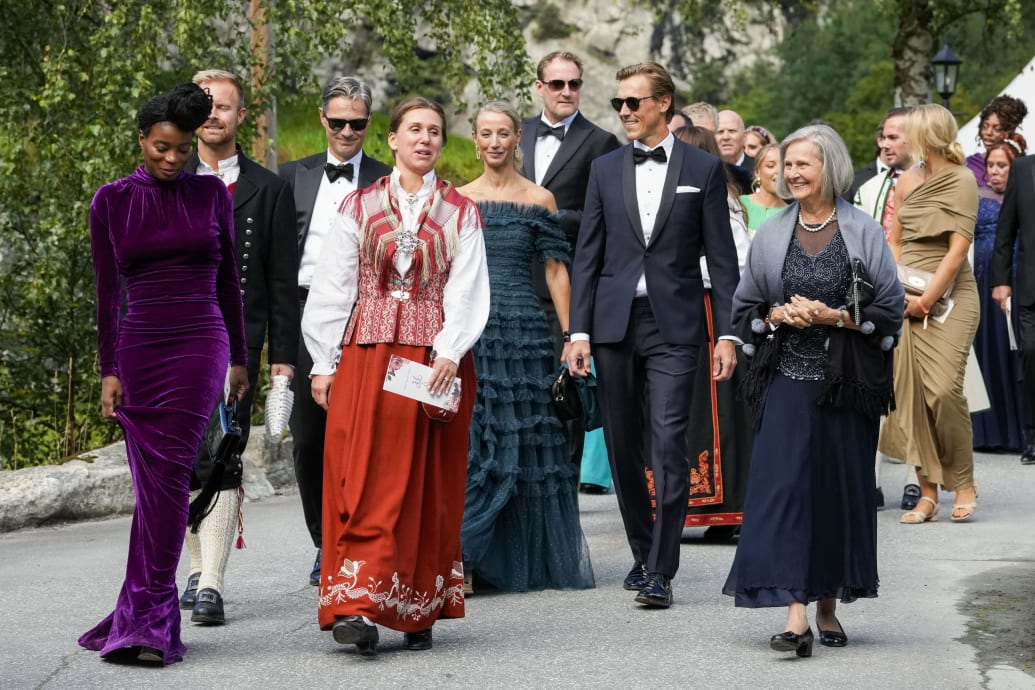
{"points": [[915, 282]]}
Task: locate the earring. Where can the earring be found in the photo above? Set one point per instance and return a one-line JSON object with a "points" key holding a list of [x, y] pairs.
{"points": [[477, 155], [756, 184]]}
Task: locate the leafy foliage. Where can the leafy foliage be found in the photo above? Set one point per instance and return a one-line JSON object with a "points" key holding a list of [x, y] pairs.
{"points": [[72, 77]]}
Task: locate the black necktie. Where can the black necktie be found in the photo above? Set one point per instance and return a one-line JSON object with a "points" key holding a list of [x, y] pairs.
{"points": [[335, 171], [640, 156], [545, 130]]}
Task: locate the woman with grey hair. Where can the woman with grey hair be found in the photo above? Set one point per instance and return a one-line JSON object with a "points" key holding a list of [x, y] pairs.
{"points": [[819, 306], [521, 515]]}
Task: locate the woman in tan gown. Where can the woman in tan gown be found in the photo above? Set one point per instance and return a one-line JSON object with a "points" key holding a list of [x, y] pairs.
{"points": [[934, 227]]}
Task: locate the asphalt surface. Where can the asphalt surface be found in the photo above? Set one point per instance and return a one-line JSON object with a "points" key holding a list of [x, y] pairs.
{"points": [[955, 611]]}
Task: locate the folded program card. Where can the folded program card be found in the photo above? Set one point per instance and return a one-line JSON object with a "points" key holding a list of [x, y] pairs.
{"points": [[410, 379]]}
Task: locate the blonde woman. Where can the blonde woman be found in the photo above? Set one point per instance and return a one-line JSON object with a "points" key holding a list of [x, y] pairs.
{"points": [[764, 201], [936, 206]]}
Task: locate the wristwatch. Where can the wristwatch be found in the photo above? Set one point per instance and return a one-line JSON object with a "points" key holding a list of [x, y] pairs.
{"points": [[840, 318]]}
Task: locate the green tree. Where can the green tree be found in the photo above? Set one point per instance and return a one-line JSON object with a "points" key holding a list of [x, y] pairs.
{"points": [[73, 75]]}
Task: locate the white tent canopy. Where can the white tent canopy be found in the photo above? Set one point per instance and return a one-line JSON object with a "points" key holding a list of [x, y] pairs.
{"points": [[1022, 87]]}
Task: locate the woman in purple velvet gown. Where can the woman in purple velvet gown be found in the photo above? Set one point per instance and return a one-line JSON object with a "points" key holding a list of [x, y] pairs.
{"points": [[167, 235]]}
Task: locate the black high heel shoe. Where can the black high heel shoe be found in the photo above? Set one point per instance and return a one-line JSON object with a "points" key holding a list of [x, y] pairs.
{"points": [[833, 638], [793, 642]]}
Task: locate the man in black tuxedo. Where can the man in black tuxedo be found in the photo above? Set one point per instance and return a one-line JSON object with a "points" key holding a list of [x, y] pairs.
{"points": [[652, 207], [729, 137], [877, 167], [320, 183], [557, 148], [1017, 225], [264, 233]]}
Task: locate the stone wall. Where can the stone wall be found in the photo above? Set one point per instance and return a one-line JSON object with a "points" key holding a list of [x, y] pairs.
{"points": [[98, 484]]}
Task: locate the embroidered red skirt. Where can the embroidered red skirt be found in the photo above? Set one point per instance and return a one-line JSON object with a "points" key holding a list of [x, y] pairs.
{"points": [[393, 497]]}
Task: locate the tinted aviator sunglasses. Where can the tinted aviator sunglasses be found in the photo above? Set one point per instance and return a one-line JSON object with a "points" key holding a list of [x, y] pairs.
{"points": [[337, 124], [631, 101], [558, 84]]}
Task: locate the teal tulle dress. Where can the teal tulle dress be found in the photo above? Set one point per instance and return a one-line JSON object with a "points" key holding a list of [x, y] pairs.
{"points": [[521, 526]]}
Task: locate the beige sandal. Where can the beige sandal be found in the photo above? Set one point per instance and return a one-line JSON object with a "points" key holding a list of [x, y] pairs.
{"points": [[967, 508], [919, 517]]}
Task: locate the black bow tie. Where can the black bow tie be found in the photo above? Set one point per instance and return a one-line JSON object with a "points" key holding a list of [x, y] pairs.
{"points": [[640, 156], [545, 130], [335, 171]]}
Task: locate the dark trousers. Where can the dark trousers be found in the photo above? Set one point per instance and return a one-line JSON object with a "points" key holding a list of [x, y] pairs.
{"points": [[1026, 315], [644, 366], [308, 423]]}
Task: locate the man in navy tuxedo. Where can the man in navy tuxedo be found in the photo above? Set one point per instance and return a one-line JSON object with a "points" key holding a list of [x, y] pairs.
{"points": [[651, 208]]}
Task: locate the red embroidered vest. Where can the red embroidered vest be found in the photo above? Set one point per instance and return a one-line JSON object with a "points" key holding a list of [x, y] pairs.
{"points": [[391, 308]]}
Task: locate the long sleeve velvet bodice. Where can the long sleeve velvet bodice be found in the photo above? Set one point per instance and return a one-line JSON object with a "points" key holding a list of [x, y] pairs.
{"points": [[173, 244]]}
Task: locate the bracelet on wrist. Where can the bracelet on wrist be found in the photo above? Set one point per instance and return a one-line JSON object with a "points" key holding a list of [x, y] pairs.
{"points": [[567, 336]]}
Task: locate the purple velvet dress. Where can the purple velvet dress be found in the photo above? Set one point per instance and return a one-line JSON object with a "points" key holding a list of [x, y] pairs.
{"points": [[172, 244]]}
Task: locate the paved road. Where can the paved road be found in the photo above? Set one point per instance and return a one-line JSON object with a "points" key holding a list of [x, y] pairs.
{"points": [[944, 586]]}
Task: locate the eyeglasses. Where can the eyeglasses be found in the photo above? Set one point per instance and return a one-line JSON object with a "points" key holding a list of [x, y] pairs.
{"points": [[559, 84], [631, 102], [337, 124]]}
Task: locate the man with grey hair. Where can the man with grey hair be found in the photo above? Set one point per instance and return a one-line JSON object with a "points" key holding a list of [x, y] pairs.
{"points": [[267, 260], [702, 115], [320, 183], [730, 139]]}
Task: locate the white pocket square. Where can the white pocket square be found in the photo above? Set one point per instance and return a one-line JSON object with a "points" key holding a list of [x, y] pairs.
{"points": [[687, 189]]}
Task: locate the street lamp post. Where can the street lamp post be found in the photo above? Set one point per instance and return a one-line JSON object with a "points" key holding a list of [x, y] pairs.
{"points": [[946, 72]]}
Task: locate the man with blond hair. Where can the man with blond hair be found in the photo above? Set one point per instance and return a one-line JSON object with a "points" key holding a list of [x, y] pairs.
{"points": [[264, 233]]}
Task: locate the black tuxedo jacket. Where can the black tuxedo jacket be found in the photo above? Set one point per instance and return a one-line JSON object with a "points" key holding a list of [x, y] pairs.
{"points": [[1017, 224], [267, 262], [862, 176], [304, 177], [568, 173], [611, 253]]}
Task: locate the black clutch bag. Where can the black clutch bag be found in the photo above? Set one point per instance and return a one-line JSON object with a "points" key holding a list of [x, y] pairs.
{"points": [[221, 439], [861, 292], [575, 398]]}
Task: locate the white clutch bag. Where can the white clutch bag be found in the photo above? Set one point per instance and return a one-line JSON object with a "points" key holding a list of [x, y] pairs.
{"points": [[279, 402]]}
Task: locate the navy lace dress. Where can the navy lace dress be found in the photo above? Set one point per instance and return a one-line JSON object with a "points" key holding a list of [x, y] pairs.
{"points": [[999, 428], [521, 526]]}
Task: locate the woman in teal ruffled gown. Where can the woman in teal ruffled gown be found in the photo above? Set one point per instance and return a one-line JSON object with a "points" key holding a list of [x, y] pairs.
{"points": [[521, 526]]}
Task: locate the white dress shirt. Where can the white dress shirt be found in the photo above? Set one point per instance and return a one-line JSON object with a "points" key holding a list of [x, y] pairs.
{"points": [[229, 169], [741, 238], [335, 286], [650, 183], [546, 146], [325, 209]]}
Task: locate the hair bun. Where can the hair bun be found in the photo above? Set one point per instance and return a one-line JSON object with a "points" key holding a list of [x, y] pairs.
{"points": [[189, 106]]}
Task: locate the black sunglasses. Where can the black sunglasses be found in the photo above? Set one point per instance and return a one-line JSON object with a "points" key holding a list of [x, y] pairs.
{"points": [[631, 101], [337, 124], [558, 84]]}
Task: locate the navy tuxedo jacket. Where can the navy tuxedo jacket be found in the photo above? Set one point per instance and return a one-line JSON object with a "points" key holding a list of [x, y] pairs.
{"points": [[304, 177], [611, 254]]}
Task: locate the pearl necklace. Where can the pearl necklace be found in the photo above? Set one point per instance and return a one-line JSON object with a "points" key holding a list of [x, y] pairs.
{"points": [[816, 228]]}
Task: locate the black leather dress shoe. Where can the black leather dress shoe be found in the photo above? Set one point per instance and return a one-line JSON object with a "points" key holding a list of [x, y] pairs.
{"points": [[720, 533], [636, 579], [657, 593], [190, 594], [208, 608], [833, 638], [592, 489], [800, 644], [910, 496], [354, 630], [314, 575], [1028, 456], [417, 641]]}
